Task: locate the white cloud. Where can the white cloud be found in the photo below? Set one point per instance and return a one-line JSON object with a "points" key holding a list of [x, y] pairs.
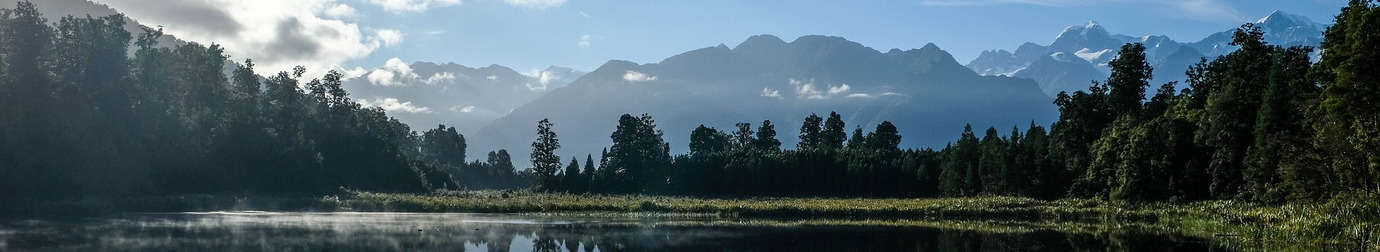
{"points": [[491, 77], [276, 34], [437, 78], [462, 109], [806, 89], [352, 73], [583, 14], [401, 6], [773, 93], [340, 11], [388, 37], [394, 105], [396, 73], [892, 94], [546, 78], [584, 41], [535, 4], [634, 76], [393, 73], [435, 32], [383, 78], [839, 89], [859, 95]]}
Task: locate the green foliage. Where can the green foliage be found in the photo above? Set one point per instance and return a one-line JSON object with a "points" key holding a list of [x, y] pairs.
{"points": [[833, 136], [811, 136], [1348, 123], [638, 158], [545, 162], [766, 137], [1131, 74], [81, 117]]}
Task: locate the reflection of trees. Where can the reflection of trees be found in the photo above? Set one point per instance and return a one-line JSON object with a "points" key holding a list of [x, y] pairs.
{"points": [[383, 232]]}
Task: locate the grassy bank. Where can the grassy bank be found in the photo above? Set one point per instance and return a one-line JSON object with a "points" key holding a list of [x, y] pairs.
{"points": [[1342, 222]]}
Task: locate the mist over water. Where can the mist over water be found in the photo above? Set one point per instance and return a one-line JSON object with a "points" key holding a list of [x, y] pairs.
{"points": [[284, 231]]}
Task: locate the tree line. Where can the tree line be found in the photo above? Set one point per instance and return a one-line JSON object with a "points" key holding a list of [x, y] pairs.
{"points": [[1264, 123], [81, 115]]}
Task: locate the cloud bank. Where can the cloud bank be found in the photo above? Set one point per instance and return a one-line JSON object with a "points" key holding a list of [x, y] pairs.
{"points": [[276, 34]]}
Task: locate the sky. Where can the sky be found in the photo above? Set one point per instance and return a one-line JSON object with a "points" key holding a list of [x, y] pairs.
{"points": [[359, 35]]}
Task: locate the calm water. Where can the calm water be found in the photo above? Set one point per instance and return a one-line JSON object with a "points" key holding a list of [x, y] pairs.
{"points": [[253, 231]]}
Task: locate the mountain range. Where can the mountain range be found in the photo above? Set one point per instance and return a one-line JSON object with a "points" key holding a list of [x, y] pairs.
{"points": [[1068, 63], [425, 94], [925, 92]]}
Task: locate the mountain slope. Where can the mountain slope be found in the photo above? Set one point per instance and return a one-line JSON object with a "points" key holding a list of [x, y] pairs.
{"points": [[425, 94], [1061, 72], [923, 91]]}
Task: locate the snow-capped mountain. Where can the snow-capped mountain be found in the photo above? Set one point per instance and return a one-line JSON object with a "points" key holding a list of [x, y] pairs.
{"points": [[1093, 47], [1280, 29]]}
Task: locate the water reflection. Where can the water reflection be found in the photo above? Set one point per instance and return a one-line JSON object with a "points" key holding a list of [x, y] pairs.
{"points": [[239, 231]]}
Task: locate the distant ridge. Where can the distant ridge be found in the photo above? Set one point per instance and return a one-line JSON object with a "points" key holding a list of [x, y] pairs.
{"points": [[924, 91]]}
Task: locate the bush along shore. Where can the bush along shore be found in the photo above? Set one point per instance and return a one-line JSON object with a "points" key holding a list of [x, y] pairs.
{"points": [[1343, 222]]}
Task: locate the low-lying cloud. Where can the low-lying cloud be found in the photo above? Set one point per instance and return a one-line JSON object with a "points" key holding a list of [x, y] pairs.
{"points": [[393, 105], [634, 76]]}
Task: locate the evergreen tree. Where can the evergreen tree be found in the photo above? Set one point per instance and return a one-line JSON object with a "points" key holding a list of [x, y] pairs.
{"points": [[833, 135], [766, 137], [857, 141], [811, 133], [572, 181], [545, 162], [638, 156], [706, 140], [587, 176], [1130, 76], [960, 165], [885, 137], [991, 162], [743, 137], [444, 146], [1279, 121]]}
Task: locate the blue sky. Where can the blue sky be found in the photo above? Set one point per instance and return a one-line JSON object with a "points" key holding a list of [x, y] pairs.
{"points": [[478, 33], [359, 35]]}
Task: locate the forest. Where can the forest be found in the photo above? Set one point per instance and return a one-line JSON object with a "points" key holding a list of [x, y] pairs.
{"points": [[1263, 123], [89, 109], [81, 117]]}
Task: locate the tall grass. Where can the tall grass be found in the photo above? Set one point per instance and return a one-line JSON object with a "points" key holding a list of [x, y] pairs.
{"points": [[1346, 221]]}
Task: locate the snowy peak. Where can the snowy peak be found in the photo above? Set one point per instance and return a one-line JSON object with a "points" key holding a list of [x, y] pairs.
{"points": [[1092, 28], [1280, 19]]}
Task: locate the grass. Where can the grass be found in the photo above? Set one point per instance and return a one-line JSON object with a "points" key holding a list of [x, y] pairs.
{"points": [[1342, 222]]}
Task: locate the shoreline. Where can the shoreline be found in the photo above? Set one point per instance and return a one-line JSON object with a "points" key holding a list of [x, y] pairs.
{"points": [[1340, 223]]}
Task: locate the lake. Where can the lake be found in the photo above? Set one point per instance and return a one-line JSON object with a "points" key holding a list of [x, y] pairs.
{"points": [[296, 231]]}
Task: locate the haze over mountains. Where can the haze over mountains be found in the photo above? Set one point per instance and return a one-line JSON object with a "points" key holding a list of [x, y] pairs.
{"points": [[425, 94], [1080, 53], [925, 92]]}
